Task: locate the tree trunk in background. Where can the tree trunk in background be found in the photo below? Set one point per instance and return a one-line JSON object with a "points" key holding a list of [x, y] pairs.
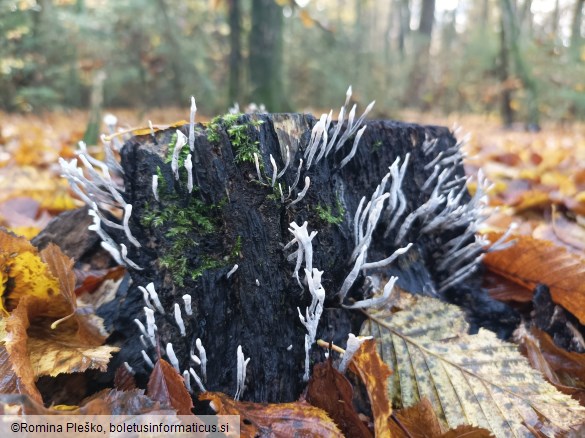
{"points": [[404, 25], [393, 20], [427, 20], [526, 18], [422, 45], [175, 55], [485, 11], [555, 21], [506, 111], [512, 39], [358, 38], [576, 39], [266, 55], [235, 60]]}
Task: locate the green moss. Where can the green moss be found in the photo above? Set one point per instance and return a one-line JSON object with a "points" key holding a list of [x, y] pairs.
{"points": [[239, 135], [377, 145], [206, 264], [237, 249], [326, 213]]}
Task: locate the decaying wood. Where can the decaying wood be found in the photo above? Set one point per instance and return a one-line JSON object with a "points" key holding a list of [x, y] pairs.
{"points": [[256, 306]]}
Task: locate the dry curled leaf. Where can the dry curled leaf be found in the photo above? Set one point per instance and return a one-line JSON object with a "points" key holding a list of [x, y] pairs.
{"points": [[374, 373], [564, 369], [329, 390], [274, 420], [46, 334], [167, 386], [531, 261]]}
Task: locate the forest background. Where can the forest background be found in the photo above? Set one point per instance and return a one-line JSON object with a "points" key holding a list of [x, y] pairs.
{"points": [[520, 59]]}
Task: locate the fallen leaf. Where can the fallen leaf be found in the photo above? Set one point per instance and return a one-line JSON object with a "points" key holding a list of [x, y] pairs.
{"points": [[419, 421], [89, 281], [274, 420], [116, 402], [564, 369], [329, 390], [531, 261], [43, 292], [90, 329], [124, 380], [502, 289], [374, 373], [467, 431], [468, 379], [22, 272], [167, 386]]}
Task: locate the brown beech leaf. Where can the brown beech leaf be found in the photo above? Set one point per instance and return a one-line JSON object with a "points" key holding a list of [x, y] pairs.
{"points": [[168, 387], [132, 402], [89, 329], [10, 382], [502, 289], [329, 390], [124, 380], [467, 431], [8, 379], [275, 420], [90, 281], [564, 369], [531, 261], [374, 373], [420, 421]]}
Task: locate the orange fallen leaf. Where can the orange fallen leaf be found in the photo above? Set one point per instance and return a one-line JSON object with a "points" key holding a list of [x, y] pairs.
{"points": [[531, 261], [329, 390], [92, 280], [419, 421], [167, 386], [277, 420], [374, 373]]}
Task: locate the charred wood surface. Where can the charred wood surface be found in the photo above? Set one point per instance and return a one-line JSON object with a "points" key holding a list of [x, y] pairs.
{"points": [[235, 219]]}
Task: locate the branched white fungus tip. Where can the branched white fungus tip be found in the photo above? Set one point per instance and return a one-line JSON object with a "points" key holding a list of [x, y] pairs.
{"points": [[353, 345]]}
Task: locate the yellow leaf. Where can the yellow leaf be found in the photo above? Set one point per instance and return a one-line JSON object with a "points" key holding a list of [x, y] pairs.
{"points": [[22, 272]]}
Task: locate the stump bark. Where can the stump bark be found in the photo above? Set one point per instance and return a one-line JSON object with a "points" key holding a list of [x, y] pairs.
{"points": [[190, 241]]}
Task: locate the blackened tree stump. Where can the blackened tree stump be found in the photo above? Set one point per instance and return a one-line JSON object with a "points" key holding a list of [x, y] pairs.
{"points": [[190, 242]]}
